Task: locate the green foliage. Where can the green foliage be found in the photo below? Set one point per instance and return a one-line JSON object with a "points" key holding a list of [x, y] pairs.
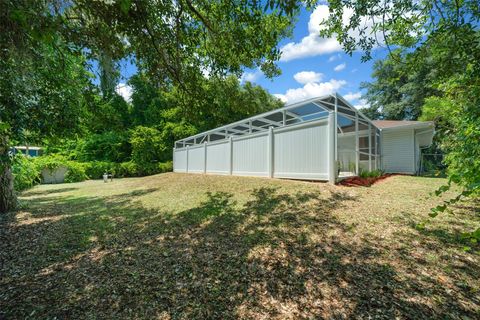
{"points": [[371, 174], [434, 74], [75, 172], [405, 24], [50, 162], [147, 145], [25, 172], [112, 114], [96, 169], [400, 87], [127, 169], [45, 89], [106, 146]]}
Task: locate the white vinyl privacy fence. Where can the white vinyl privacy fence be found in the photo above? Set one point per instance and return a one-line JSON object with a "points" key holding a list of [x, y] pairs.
{"points": [[299, 152], [312, 140]]}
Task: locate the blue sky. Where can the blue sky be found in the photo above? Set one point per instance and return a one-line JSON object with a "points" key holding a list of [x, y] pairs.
{"points": [[311, 66]]}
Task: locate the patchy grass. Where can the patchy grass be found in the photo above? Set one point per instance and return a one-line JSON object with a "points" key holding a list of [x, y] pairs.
{"points": [[177, 246]]}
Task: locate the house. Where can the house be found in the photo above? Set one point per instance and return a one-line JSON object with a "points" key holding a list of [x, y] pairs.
{"points": [[27, 150], [323, 138]]}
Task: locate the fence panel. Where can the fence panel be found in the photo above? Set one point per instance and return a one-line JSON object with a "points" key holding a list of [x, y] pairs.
{"points": [[196, 159], [250, 156], [218, 157], [296, 152], [301, 152], [180, 160]]}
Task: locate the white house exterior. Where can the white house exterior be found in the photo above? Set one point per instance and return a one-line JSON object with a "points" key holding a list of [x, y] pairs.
{"points": [[402, 142], [317, 139]]}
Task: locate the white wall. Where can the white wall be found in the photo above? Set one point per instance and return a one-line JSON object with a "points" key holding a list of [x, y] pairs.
{"points": [[398, 151], [301, 153], [297, 151], [218, 157], [250, 155], [196, 159], [180, 160]]}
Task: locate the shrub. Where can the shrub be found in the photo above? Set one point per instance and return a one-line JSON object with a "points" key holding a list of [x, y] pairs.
{"points": [[147, 146], [371, 174], [128, 169], [96, 169], [107, 147], [165, 167], [25, 172], [75, 172]]}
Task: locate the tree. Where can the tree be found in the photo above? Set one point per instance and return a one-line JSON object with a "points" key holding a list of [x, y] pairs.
{"points": [[435, 71], [178, 114], [43, 42], [401, 85], [41, 95]]}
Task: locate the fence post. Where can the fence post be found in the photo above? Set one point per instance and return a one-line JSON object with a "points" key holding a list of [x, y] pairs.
{"points": [[186, 165], [357, 147], [331, 148], [270, 152], [173, 159], [230, 169], [369, 147], [205, 157]]}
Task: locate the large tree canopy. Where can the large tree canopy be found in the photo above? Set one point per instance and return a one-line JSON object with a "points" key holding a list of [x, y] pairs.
{"points": [[432, 72], [178, 40], [44, 46]]}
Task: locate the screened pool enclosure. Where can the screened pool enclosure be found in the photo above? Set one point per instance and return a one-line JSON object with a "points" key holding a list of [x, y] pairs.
{"points": [[317, 139]]}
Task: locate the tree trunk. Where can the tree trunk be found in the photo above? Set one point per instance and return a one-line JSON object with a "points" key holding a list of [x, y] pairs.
{"points": [[8, 199]]}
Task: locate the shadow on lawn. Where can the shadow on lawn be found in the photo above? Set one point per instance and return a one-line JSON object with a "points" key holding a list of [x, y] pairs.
{"points": [[278, 256], [35, 193]]}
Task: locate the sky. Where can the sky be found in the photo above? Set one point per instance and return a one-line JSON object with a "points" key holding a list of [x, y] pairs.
{"points": [[311, 66]]}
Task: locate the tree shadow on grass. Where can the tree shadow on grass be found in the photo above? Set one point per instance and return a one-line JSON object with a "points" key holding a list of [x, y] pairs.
{"points": [[36, 193], [279, 255]]}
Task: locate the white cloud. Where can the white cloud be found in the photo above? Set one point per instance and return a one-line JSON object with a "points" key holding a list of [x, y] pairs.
{"points": [[313, 45], [350, 97], [311, 90], [251, 76], [124, 90], [340, 67], [334, 58], [305, 77], [362, 104]]}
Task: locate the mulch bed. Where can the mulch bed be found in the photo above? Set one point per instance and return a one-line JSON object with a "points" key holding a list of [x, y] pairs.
{"points": [[364, 182]]}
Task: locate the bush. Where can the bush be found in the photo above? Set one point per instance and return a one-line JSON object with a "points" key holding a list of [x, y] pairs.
{"points": [[128, 169], [371, 174], [25, 172], [75, 170], [96, 169], [147, 147], [107, 147], [165, 167]]}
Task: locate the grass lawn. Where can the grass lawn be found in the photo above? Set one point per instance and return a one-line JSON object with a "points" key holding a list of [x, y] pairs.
{"points": [[178, 246]]}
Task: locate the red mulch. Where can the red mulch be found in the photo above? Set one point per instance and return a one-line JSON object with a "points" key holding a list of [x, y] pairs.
{"points": [[364, 182]]}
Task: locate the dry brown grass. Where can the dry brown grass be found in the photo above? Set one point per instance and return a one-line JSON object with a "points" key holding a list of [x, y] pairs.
{"points": [[178, 246]]}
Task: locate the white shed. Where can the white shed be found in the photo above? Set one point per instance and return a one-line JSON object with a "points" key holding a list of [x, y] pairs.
{"points": [[317, 139]]}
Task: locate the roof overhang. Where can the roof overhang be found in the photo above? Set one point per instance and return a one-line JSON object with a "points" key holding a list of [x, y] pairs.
{"points": [[415, 125]]}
